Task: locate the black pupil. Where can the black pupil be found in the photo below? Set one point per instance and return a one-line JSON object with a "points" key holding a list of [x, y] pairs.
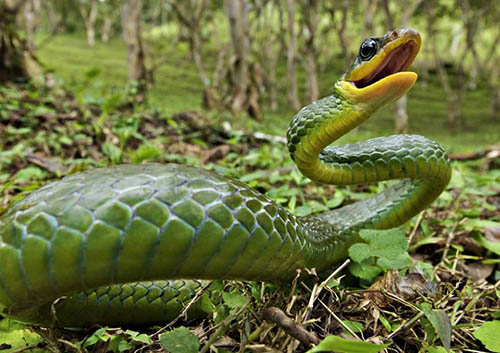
{"points": [[368, 49]]}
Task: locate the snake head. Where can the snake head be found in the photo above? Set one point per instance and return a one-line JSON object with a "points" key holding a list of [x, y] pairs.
{"points": [[378, 75]]}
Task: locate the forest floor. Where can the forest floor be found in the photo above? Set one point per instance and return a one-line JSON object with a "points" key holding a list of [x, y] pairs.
{"points": [[443, 292]]}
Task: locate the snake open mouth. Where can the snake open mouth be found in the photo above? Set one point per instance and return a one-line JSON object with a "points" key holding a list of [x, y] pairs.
{"points": [[397, 60], [383, 57]]}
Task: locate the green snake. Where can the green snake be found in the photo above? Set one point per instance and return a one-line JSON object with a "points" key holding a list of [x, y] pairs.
{"points": [[116, 245]]}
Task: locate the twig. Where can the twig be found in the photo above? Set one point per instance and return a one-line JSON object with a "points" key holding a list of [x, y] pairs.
{"points": [[406, 325], [71, 345], [288, 325], [333, 274], [415, 228], [226, 321], [489, 152], [339, 321], [220, 327], [45, 163], [26, 348]]}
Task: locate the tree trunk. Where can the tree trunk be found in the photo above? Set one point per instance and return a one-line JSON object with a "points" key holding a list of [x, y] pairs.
{"points": [[89, 17], [17, 61], [131, 23], [269, 49], [310, 15], [32, 14], [237, 13], [107, 25], [369, 8], [190, 14], [341, 30], [246, 81], [453, 100], [495, 93], [401, 116], [407, 10], [293, 95]]}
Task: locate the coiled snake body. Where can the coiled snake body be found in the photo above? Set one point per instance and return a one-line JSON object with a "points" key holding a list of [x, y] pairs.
{"points": [[82, 250]]}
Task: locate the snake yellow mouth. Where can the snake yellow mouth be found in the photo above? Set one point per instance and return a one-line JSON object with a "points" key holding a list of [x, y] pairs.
{"points": [[397, 52], [398, 60]]}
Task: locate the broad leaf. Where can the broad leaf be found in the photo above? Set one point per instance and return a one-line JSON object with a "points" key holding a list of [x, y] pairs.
{"points": [[180, 340], [342, 345]]}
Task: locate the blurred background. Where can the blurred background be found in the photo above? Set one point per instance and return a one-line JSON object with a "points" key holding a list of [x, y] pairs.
{"points": [[254, 63]]}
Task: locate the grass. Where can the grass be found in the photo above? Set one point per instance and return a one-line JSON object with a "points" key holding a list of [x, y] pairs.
{"points": [[178, 88]]}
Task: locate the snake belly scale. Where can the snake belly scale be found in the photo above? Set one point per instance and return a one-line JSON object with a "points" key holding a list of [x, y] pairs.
{"points": [[127, 244]]}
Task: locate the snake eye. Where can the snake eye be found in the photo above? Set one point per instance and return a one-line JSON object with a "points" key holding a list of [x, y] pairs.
{"points": [[368, 49]]}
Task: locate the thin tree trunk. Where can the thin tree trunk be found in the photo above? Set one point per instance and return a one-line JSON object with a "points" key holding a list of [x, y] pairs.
{"points": [[270, 48], [340, 27], [341, 30], [453, 100], [90, 18], [237, 12], [107, 24], [408, 8], [32, 13], [131, 23], [190, 14], [369, 8], [310, 14], [495, 93], [293, 95], [17, 61]]}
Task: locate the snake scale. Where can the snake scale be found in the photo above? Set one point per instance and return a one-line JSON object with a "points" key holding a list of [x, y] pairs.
{"points": [[118, 245]]}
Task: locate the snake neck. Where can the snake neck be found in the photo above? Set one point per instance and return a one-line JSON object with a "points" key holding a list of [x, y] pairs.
{"points": [[420, 164], [318, 125]]}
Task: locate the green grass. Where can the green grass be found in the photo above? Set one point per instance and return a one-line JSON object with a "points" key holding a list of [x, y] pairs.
{"points": [[178, 88]]}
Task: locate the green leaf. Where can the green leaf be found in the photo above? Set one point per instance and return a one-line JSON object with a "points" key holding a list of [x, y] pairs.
{"points": [[180, 340], [441, 323], [146, 151], [143, 338], [99, 335], [389, 246], [234, 300], [364, 271], [118, 344], [260, 174], [112, 152], [491, 246], [337, 200], [479, 224], [354, 325], [385, 322], [434, 349], [488, 335], [206, 304], [385, 243], [16, 335], [65, 140], [304, 210], [396, 263], [342, 345], [359, 252], [29, 173]]}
